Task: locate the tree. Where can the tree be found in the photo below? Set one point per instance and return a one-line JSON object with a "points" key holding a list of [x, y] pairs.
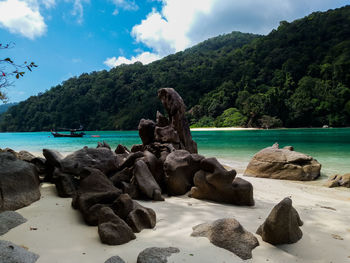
{"points": [[10, 69]]}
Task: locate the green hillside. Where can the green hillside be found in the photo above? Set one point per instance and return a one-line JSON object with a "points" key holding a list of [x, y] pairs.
{"points": [[298, 75]]}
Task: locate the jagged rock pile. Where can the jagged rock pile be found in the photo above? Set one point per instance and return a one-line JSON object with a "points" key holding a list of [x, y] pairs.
{"points": [[273, 162], [103, 183]]}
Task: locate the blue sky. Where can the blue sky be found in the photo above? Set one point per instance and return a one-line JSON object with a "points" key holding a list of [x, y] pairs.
{"points": [[69, 37]]}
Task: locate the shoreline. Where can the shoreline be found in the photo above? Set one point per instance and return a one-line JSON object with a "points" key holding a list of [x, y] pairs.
{"points": [[224, 129]]}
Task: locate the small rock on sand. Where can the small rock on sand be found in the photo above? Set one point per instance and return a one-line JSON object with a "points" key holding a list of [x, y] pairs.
{"points": [[11, 253], [9, 220]]}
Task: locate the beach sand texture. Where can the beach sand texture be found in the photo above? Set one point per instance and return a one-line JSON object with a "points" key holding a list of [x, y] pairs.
{"points": [[61, 236]]}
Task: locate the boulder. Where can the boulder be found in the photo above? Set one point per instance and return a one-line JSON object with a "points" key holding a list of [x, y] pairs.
{"points": [[131, 159], [146, 182], [121, 149], [134, 214], [115, 259], [103, 145], [155, 166], [122, 176], [66, 184], [167, 134], [53, 157], [286, 164], [137, 148], [11, 253], [214, 182], [161, 120], [9, 220], [112, 229], [176, 109], [282, 224], [338, 180], [180, 167], [146, 131], [19, 183], [229, 234], [102, 159], [25, 156], [156, 254]]}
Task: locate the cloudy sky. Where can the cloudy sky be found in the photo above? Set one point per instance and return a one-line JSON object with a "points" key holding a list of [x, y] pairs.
{"points": [[69, 37]]}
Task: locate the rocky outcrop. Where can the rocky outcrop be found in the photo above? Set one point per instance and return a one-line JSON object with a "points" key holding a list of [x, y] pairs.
{"points": [[180, 167], [228, 234], [214, 182], [285, 163], [9, 220], [146, 131], [19, 183], [156, 254], [112, 229], [176, 109], [11, 253], [339, 180], [282, 224]]}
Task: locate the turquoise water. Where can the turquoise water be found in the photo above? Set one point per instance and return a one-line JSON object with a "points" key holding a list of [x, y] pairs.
{"points": [[331, 147]]}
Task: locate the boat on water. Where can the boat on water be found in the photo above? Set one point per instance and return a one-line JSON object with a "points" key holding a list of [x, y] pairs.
{"points": [[73, 133]]}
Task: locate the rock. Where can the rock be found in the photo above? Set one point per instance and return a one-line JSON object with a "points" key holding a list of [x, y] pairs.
{"points": [[162, 121], [167, 134], [214, 182], [338, 180], [115, 259], [146, 182], [146, 131], [180, 167], [130, 160], [282, 224], [160, 150], [102, 159], [155, 166], [53, 157], [121, 149], [137, 148], [19, 183], [11, 253], [275, 163], [103, 145], [122, 176], [9, 220], [66, 185], [290, 148], [112, 229], [156, 254], [176, 109], [93, 180], [134, 214], [228, 233], [25, 156]]}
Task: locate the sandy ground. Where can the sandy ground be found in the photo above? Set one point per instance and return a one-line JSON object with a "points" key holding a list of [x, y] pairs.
{"points": [[223, 129], [62, 237]]}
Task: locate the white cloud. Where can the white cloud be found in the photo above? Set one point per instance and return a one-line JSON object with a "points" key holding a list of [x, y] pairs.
{"points": [[22, 17], [129, 5], [183, 23], [78, 10], [144, 58]]}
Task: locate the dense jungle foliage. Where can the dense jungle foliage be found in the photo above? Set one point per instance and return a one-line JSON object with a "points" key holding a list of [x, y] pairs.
{"points": [[297, 76]]}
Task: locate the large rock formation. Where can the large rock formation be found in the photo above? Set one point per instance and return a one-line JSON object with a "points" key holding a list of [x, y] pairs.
{"points": [[285, 163], [282, 224], [176, 109], [19, 183], [214, 182], [228, 233]]}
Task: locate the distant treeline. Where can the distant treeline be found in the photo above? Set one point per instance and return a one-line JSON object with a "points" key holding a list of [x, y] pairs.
{"points": [[297, 76]]}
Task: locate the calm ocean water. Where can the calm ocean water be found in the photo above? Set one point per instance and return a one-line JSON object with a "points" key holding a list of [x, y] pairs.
{"points": [[331, 147]]}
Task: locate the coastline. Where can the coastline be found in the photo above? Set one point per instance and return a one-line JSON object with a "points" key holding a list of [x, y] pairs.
{"points": [[224, 129]]}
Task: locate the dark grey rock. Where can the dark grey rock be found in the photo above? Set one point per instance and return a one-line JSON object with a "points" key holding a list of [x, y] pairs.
{"points": [[9, 220], [19, 183], [282, 224], [11, 253], [229, 234], [115, 259], [146, 131], [156, 254]]}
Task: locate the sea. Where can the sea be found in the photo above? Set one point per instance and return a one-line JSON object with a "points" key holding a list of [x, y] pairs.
{"points": [[330, 146]]}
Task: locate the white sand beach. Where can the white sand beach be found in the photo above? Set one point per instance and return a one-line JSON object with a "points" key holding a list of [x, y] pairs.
{"points": [[62, 237]]}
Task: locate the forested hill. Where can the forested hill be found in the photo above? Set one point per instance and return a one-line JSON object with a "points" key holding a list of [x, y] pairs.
{"points": [[298, 75]]}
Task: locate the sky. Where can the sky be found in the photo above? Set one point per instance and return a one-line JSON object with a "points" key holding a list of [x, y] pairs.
{"points": [[66, 38]]}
